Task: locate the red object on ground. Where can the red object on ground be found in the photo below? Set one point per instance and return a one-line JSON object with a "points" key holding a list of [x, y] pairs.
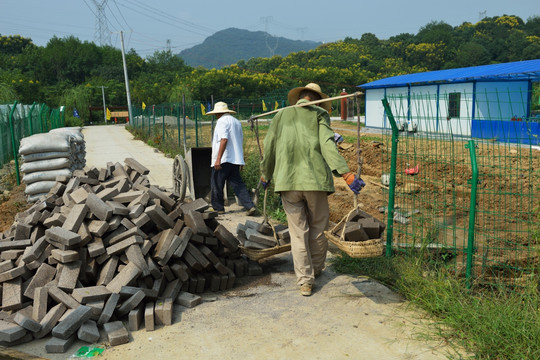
{"points": [[412, 171]]}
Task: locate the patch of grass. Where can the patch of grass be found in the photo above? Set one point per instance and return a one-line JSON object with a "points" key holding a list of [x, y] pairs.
{"points": [[490, 323]]}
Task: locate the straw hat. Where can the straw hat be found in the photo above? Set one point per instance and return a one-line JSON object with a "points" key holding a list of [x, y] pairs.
{"points": [[294, 93], [220, 108]]}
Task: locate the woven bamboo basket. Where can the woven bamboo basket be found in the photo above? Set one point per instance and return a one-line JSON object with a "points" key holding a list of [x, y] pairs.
{"points": [[355, 249]]}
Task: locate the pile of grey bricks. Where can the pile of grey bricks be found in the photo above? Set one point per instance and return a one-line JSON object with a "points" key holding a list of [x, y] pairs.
{"points": [[254, 236], [360, 226], [104, 248]]}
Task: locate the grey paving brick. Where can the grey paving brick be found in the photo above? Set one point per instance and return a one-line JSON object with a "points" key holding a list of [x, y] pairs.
{"points": [[96, 247], [167, 202], [187, 299], [62, 236], [131, 303], [117, 334], [14, 244], [36, 250], [41, 295], [50, 320], [107, 271], [184, 236], [149, 322], [159, 217], [134, 255], [10, 332], [137, 166], [65, 256], [98, 207], [27, 323], [90, 294], [60, 296], [129, 273], [59, 346], [88, 332], [227, 239], [69, 276], [98, 227], [109, 308], [12, 294], [67, 327], [6, 265], [135, 318], [198, 204], [75, 217]]}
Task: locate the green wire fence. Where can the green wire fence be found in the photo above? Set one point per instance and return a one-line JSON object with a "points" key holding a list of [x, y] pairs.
{"points": [[18, 121], [465, 188]]}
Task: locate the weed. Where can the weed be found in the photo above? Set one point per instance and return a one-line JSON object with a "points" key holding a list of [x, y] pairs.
{"points": [[494, 324]]}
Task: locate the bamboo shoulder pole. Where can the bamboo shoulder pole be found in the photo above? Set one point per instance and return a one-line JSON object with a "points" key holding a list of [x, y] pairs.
{"points": [[315, 102]]}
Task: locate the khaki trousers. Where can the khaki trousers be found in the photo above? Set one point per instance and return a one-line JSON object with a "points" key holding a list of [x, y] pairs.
{"points": [[307, 214]]}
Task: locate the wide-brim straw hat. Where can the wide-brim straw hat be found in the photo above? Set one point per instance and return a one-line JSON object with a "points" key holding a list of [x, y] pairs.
{"points": [[221, 108], [294, 93]]}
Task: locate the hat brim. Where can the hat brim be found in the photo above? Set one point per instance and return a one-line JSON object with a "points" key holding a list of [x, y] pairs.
{"points": [[293, 97], [213, 112]]}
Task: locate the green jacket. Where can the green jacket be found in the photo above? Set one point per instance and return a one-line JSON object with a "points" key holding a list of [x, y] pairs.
{"points": [[300, 152]]}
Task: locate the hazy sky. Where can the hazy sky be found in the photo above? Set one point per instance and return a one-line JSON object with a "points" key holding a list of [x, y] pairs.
{"points": [[149, 25]]}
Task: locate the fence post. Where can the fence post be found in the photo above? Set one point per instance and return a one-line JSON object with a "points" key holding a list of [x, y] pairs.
{"points": [[41, 117], [392, 185], [472, 212], [162, 123], [30, 125], [196, 129], [13, 146]]}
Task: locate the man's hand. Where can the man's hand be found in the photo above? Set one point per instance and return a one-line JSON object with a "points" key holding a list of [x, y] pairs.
{"points": [[355, 184], [338, 139], [217, 165], [265, 183]]}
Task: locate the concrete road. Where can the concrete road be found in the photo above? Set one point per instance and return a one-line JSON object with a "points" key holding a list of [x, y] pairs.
{"points": [[113, 143]]}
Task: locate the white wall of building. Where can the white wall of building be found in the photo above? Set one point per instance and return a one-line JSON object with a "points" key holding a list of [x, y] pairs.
{"points": [[501, 100]]}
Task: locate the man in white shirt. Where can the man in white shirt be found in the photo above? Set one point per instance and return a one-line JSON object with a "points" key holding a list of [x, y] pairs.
{"points": [[227, 158]]}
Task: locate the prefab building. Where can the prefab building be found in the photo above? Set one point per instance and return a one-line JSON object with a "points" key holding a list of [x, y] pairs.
{"points": [[490, 101]]}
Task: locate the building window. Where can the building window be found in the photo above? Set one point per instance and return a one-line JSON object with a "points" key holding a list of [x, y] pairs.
{"points": [[454, 101]]}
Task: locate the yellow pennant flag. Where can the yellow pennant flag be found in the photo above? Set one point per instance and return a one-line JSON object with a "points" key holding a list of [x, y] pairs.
{"points": [[108, 114], [276, 105], [264, 106], [143, 105], [203, 110]]}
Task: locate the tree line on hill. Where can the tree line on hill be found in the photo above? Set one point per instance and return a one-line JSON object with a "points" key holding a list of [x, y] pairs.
{"points": [[70, 72]]}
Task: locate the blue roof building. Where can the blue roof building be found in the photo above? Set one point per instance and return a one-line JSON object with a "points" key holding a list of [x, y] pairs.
{"points": [[490, 101]]}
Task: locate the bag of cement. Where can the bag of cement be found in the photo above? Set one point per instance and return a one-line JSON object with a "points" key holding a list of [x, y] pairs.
{"points": [[39, 187], [35, 197], [45, 165], [75, 132], [41, 143], [45, 175], [46, 155]]}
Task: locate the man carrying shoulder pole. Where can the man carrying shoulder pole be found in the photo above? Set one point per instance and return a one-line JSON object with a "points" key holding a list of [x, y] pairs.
{"points": [[300, 157]]}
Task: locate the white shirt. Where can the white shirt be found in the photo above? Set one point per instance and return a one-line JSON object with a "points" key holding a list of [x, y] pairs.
{"points": [[228, 127]]}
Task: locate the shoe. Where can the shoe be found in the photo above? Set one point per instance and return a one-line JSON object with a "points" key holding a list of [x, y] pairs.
{"points": [[305, 289], [252, 211], [220, 212]]}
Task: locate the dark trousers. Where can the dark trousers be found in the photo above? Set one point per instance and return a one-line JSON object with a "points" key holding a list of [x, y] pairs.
{"points": [[229, 172]]}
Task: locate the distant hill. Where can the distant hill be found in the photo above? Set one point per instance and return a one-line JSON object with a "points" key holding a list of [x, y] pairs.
{"points": [[228, 46]]}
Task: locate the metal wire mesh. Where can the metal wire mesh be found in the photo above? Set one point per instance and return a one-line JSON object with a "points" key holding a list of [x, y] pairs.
{"points": [[433, 189]]}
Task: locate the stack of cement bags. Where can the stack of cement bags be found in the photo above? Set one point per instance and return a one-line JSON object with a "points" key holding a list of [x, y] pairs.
{"points": [[46, 156]]}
